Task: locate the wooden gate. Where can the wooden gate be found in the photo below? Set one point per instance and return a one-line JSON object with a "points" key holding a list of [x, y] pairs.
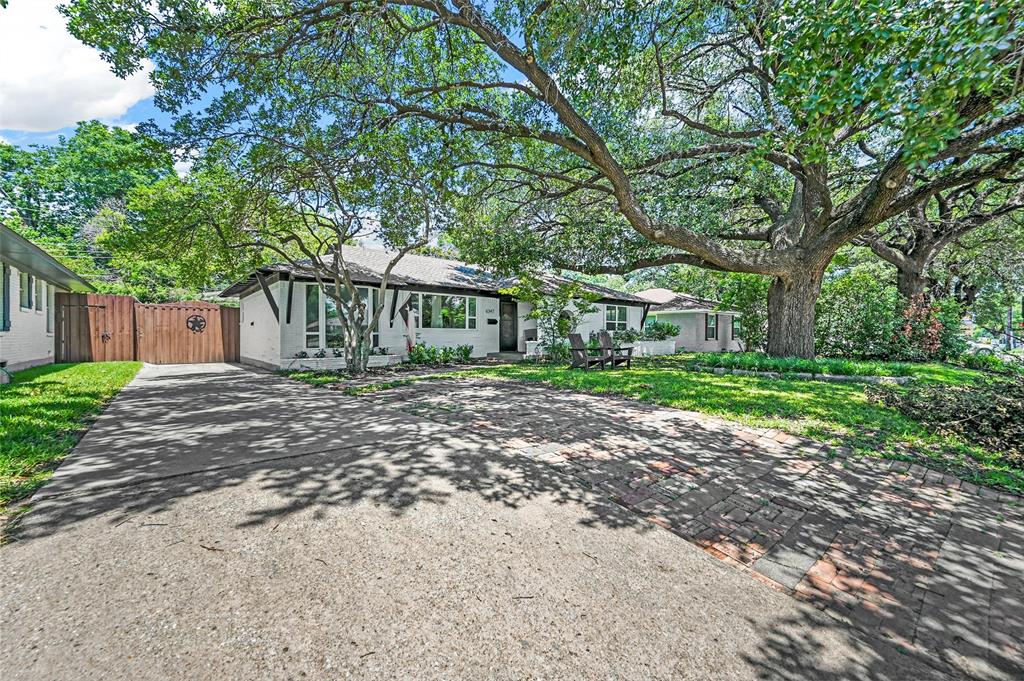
{"points": [[186, 333], [92, 327]]}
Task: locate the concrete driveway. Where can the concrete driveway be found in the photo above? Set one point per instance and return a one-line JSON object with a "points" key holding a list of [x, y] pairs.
{"points": [[218, 523]]}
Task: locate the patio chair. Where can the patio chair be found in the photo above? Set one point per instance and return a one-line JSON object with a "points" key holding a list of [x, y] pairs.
{"points": [[614, 356], [582, 357]]}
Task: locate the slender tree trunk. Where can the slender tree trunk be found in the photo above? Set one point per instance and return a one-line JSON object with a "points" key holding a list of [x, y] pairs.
{"points": [[791, 302], [357, 353]]}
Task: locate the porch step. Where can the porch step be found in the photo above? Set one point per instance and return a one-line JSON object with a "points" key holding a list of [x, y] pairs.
{"points": [[511, 356]]}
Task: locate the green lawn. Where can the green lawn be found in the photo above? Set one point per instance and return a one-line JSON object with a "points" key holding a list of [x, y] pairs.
{"points": [[43, 413], [838, 413]]}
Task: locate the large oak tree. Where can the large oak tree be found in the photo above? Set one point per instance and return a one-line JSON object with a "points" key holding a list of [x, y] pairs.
{"points": [[747, 136]]}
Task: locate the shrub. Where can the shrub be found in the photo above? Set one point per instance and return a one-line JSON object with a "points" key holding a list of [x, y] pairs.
{"points": [[989, 362], [988, 413], [421, 353], [626, 336], [659, 331], [950, 314], [856, 316], [464, 353], [929, 330], [557, 352], [860, 315]]}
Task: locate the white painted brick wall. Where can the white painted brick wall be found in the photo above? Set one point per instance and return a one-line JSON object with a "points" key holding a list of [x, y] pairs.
{"points": [[260, 337], [691, 332], [259, 340], [27, 344]]}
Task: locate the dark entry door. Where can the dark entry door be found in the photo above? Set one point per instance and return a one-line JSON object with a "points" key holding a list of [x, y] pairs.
{"points": [[508, 329]]}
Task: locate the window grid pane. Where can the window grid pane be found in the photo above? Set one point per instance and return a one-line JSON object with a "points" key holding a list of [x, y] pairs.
{"points": [[312, 316], [616, 317], [333, 337], [24, 290], [49, 308], [443, 312]]}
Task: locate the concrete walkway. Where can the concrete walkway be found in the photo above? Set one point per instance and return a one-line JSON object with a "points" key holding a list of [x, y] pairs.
{"points": [[217, 523]]}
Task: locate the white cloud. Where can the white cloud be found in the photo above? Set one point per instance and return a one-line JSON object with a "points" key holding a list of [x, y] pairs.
{"points": [[183, 167], [183, 161], [50, 80]]}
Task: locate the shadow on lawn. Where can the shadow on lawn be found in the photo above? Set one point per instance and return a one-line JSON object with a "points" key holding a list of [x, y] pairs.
{"points": [[312, 450]]}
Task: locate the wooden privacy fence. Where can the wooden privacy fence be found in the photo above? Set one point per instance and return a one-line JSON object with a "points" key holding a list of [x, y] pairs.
{"points": [[186, 333], [91, 327]]}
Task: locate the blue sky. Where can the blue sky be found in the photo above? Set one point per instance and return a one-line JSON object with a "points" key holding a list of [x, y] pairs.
{"points": [[50, 81], [57, 81]]}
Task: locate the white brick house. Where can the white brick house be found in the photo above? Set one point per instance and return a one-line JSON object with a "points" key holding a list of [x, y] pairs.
{"points": [[28, 281], [703, 327], [429, 300]]}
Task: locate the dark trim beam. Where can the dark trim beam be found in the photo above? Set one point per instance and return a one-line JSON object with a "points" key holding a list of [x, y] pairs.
{"points": [[270, 298], [394, 305], [288, 310]]}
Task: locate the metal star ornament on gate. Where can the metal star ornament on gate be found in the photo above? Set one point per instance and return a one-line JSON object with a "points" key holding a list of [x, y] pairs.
{"points": [[196, 323]]}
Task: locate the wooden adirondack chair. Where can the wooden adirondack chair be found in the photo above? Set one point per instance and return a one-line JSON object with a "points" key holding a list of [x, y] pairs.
{"points": [[614, 356], [582, 357]]}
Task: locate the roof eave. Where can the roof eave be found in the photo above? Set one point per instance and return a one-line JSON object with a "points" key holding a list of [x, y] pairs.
{"points": [[27, 257]]}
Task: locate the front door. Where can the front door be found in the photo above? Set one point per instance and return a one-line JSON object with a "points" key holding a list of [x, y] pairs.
{"points": [[508, 330]]}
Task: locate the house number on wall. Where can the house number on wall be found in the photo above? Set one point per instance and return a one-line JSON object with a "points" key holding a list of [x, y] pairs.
{"points": [[196, 323]]}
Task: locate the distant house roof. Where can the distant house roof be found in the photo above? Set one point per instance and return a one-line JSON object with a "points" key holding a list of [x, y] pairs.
{"points": [[367, 265], [27, 257], [664, 300]]}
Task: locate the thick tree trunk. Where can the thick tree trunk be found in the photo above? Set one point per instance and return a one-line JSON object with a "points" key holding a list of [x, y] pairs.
{"points": [[910, 282], [791, 313]]}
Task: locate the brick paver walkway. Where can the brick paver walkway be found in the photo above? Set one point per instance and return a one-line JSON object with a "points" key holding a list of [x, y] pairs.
{"points": [[926, 560]]}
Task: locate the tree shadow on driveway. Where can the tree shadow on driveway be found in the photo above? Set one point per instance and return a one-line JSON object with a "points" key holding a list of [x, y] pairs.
{"points": [[181, 434]]}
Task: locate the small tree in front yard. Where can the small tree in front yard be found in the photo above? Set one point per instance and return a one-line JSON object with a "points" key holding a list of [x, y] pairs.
{"points": [[288, 202], [557, 308]]}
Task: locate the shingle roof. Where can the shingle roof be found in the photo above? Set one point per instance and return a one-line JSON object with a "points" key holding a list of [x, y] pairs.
{"points": [[367, 265], [664, 300]]}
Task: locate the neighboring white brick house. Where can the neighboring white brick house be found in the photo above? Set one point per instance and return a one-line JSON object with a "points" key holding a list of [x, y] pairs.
{"points": [[29, 279], [440, 302], [702, 326]]}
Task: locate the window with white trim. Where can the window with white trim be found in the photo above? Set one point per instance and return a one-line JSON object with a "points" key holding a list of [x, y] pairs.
{"points": [[334, 337], [323, 320], [25, 285], [312, 316], [436, 311], [49, 308], [737, 329], [710, 326], [616, 317], [40, 294]]}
